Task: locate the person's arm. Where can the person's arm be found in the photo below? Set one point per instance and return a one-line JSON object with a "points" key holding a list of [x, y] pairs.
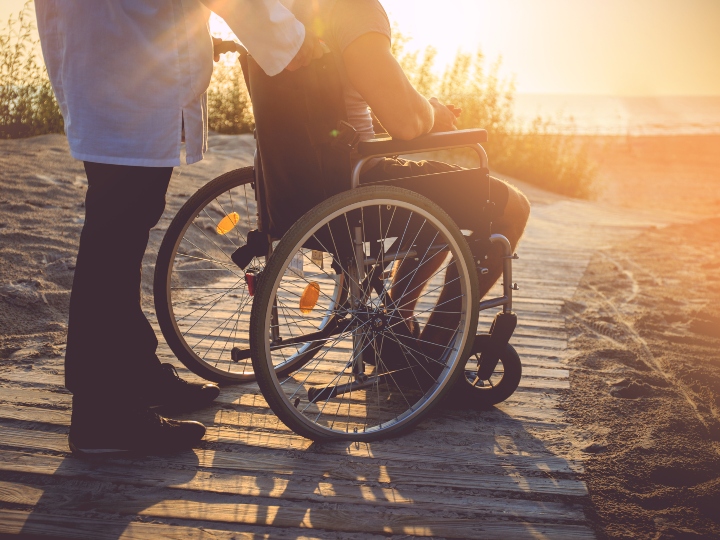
{"points": [[272, 34], [377, 76]]}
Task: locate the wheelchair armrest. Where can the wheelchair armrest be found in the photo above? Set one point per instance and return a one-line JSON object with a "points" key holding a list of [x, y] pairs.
{"points": [[431, 141]]}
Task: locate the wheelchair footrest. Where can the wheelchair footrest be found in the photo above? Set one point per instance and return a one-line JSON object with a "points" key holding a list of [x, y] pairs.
{"points": [[257, 246], [501, 331]]}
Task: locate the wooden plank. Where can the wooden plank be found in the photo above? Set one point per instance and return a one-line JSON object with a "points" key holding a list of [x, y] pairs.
{"points": [[354, 466], [244, 397], [442, 420], [33, 414], [393, 451], [55, 382], [537, 352], [71, 525], [538, 342], [297, 486], [36, 397], [533, 377], [225, 509], [253, 402], [539, 380], [458, 455]]}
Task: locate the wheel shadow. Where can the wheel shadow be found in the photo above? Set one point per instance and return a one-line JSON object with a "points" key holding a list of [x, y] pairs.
{"points": [[417, 478], [405, 485]]}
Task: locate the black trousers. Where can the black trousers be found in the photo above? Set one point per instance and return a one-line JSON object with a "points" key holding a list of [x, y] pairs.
{"points": [[111, 346]]}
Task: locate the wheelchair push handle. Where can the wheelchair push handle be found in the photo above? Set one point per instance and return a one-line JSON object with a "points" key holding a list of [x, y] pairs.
{"points": [[222, 46]]}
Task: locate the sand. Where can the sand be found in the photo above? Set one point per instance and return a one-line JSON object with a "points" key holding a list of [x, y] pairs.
{"points": [[645, 388], [670, 173], [646, 384], [41, 215]]}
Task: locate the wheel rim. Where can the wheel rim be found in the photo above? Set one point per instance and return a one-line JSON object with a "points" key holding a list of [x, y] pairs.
{"points": [[470, 374], [207, 293], [398, 389]]}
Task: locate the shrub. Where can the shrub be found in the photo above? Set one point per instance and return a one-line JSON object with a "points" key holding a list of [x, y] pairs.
{"points": [[229, 106], [27, 103], [537, 153]]}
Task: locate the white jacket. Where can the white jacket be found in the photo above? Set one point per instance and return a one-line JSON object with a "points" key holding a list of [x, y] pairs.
{"points": [[127, 72]]}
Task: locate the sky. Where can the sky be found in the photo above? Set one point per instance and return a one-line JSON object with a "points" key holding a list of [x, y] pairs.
{"points": [[589, 47], [605, 47]]}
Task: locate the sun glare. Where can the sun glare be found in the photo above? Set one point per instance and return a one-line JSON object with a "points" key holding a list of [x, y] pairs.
{"points": [[219, 28]]}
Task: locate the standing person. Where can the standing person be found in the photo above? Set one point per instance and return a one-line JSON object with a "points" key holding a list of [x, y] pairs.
{"points": [[129, 75]]}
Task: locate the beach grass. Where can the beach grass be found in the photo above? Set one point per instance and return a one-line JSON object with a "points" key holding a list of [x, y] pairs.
{"points": [[229, 106], [537, 152], [27, 103]]}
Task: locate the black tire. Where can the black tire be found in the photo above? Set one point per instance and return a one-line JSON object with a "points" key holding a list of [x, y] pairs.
{"points": [[187, 351], [290, 398], [485, 394]]}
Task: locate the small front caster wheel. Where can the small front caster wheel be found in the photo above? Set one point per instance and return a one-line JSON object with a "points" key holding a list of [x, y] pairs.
{"points": [[481, 394]]}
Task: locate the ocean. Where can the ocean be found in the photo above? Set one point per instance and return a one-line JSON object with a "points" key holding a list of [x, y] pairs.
{"points": [[607, 115]]}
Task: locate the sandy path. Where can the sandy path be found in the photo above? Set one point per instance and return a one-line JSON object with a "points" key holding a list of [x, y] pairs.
{"points": [[515, 471], [645, 328]]}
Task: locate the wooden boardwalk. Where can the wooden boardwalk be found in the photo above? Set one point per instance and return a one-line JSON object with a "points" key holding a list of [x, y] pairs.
{"points": [[514, 472]]}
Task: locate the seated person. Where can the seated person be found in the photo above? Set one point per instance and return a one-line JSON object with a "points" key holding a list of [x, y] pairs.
{"points": [[358, 31]]}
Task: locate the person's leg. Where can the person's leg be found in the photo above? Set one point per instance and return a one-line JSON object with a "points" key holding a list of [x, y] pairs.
{"points": [[110, 365], [410, 274], [463, 203], [513, 213], [111, 345], [510, 223]]}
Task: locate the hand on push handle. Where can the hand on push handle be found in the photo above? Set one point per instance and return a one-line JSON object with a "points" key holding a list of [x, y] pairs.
{"points": [[311, 49]]}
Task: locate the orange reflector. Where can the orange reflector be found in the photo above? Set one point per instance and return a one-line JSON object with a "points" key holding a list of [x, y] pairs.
{"points": [[309, 297], [228, 223]]}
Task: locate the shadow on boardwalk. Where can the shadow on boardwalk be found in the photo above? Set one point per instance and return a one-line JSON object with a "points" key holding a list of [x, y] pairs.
{"points": [[458, 483]]}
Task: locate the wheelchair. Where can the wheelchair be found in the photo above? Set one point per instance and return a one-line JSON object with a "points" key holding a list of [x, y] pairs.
{"points": [[356, 307]]}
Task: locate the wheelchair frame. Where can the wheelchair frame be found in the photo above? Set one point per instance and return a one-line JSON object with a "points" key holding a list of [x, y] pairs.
{"points": [[504, 324], [489, 350]]}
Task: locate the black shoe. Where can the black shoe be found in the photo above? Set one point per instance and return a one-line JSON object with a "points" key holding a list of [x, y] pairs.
{"points": [[172, 392], [134, 431]]}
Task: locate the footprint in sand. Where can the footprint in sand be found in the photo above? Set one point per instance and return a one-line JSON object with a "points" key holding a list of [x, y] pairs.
{"points": [[628, 389]]}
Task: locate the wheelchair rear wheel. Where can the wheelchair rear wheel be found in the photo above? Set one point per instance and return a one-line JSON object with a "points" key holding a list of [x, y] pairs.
{"points": [[202, 298], [384, 356]]}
